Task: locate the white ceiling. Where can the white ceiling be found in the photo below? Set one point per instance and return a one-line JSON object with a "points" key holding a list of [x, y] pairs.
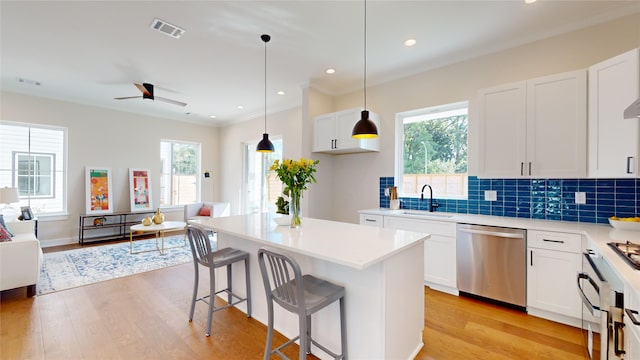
{"points": [[90, 52]]}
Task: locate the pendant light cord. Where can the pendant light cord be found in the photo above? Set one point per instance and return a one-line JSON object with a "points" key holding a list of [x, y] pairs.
{"points": [[365, 54], [265, 86]]}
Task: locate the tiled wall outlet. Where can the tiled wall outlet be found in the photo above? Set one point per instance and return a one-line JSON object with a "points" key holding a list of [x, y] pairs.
{"points": [[490, 195], [581, 197]]}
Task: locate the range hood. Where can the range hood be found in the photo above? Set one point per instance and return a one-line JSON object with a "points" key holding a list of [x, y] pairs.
{"points": [[633, 110]]}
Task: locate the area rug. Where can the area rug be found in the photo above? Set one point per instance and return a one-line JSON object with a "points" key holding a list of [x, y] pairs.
{"points": [[68, 269]]}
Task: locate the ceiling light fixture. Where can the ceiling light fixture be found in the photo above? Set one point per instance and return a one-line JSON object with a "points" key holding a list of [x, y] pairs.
{"points": [[280, 92], [265, 145], [365, 128], [410, 42], [330, 71]]}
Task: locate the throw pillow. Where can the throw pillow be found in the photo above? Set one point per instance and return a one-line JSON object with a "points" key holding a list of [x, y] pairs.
{"points": [[4, 234], [3, 225], [204, 211]]}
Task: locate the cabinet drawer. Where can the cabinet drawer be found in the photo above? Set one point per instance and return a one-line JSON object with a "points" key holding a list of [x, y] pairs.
{"points": [[555, 241], [443, 228], [372, 220]]}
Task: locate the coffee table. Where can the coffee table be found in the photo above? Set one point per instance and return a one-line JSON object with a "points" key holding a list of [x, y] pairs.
{"points": [[159, 229]]}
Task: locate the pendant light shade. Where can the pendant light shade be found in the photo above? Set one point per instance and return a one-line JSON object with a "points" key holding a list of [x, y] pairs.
{"points": [[265, 144], [365, 128]]}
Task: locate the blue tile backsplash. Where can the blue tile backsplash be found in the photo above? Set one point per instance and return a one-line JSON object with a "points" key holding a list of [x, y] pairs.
{"points": [[550, 199]]}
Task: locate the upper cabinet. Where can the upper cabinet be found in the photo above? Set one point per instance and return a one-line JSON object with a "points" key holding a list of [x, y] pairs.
{"points": [[534, 128], [332, 133], [613, 141]]}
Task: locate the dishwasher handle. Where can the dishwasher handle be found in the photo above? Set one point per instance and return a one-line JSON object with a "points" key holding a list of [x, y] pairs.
{"points": [[493, 233], [593, 309]]}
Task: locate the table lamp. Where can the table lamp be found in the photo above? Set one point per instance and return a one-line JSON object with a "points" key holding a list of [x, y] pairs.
{"points": [[9, 195]]}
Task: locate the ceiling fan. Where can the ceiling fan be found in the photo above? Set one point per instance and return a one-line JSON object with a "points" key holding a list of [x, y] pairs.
{"points": [[147, 93]]}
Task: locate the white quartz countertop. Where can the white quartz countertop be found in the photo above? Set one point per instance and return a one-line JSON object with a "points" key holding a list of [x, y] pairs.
{"points": [[600, 234], [347, 244]]}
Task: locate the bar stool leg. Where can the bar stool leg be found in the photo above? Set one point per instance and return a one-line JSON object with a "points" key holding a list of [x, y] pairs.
{"points": [[308, 346], [267, 347], [195, 293], [343, 328], [212, 297], [302, 320], [229, 284], [248, 285]]}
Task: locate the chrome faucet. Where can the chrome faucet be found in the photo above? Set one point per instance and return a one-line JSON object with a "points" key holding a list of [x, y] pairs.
{"points": [[432, 206]]}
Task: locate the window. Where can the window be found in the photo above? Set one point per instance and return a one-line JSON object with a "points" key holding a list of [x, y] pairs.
{"points": [[432, 149], [32, 158], [262, 187], [179, 180]]}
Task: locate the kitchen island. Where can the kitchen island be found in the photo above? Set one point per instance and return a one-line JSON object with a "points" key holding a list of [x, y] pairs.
{"points": [[381, 270]]}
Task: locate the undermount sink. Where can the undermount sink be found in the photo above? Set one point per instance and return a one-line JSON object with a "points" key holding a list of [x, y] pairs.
{"points": [[425, 213]]}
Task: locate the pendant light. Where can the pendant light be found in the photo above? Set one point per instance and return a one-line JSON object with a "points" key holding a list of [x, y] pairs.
{"points": [[365, 128], [265, 145]]}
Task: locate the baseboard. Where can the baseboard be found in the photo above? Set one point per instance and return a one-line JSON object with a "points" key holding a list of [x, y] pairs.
{"points": [[57, 242], [559, 318], [442, 288]]}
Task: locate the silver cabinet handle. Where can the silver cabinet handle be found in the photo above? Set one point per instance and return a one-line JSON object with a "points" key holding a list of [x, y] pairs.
{"points": [[592, 308], [493, 233], [554, 241]]}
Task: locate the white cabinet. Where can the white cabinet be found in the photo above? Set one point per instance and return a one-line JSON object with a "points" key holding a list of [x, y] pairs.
{"points": [[534, 128], [631, 330], [332, 133], [613, 140], [439, 250], [372, 220], [554, 260]]}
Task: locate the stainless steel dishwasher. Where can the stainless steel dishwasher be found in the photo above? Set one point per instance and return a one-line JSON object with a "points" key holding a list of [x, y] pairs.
{"points": [[491, 263]]}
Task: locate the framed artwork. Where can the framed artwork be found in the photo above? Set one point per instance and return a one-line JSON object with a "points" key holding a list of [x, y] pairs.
{"points": [[98, 190], [26, 213], [140, 190]]}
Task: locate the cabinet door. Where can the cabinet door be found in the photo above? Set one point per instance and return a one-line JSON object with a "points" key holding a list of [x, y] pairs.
{"points": [[345, 120], [324, 132], [557, 125], [613, 141], [632, 339], [501, 130], [440, 260], [551, 281]]}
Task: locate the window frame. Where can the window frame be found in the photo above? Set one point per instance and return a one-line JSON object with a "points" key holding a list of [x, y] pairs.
{"points": [[198, 180], [399, 145], [61, 171], [31, 157]]}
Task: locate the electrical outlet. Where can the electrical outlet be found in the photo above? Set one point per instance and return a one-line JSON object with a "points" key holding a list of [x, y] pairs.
{"points": [[386, 192], [490, 195], [581, 197]]}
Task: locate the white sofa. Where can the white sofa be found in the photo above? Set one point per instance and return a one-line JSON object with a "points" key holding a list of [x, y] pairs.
{"points": [[20, 258], [218, 209]]}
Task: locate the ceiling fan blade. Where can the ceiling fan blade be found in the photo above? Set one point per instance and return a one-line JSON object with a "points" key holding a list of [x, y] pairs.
{"points": [[171, 101], [146, 89], [128, 97]]}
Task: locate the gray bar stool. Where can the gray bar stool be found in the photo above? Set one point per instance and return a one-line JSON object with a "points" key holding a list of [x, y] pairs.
{"points": [[204, 255], [303, 295]]}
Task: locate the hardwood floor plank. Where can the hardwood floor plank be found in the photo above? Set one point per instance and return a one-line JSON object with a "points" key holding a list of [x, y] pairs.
{"points": [[146, 316]]}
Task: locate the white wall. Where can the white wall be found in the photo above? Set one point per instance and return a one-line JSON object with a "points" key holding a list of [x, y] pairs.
{"points": [[103, 137], [285, 124], [353, 183]]}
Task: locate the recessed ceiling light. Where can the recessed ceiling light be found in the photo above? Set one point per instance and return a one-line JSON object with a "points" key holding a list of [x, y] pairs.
{"points": [[330, 71], [529, 1], [410, 42], [240, 107], [280, 92], [212, 116]]}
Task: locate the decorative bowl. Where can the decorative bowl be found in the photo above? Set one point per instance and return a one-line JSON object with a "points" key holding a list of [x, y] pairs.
{"points": [[625, 225], [283, 220]]}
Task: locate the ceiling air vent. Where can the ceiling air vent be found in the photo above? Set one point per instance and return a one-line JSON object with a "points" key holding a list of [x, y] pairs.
{"points": [[166, 28]]}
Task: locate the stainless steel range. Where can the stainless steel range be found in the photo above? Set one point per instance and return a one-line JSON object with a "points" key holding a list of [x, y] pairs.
{"points": [[629, 251]]}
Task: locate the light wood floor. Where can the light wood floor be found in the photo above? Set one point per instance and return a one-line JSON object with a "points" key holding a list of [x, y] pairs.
{"points": [[145, 316]]}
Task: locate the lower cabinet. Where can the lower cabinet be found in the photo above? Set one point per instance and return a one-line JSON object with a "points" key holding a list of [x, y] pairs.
{"points": [[372, 220], [554, 260], [439, 250], [631, 330]]}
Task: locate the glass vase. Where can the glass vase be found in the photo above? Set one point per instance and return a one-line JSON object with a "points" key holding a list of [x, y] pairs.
{"points": [[294, 208]]}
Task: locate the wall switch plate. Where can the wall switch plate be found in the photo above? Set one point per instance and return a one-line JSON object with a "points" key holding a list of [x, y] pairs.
{"points": [[581, 197], [490, 195], [386, 192]]}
